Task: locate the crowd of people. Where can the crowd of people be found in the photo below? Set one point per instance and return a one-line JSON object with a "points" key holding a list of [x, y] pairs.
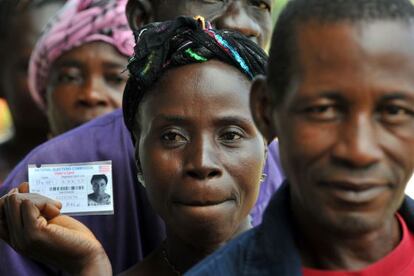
{"points": [[224, 160]]}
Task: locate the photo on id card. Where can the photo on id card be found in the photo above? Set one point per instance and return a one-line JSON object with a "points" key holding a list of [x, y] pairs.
{"points": [[82, 188]]}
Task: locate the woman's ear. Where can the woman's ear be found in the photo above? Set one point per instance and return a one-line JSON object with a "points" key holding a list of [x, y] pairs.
{"points": [[261, 107], [139, 13]]}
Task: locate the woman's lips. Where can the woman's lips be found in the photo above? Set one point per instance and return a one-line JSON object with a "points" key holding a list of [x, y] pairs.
{"points": [[202, 203]]}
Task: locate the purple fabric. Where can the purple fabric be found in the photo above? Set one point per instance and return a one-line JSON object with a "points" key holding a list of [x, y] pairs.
{"points": [[128, 235], [77, 23], [272, 182], [134, 230]]}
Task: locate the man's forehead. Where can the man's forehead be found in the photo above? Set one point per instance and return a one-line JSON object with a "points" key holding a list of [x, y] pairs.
{"points": [[318, 42]]}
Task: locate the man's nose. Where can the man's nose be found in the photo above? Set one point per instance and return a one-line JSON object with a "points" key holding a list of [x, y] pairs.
{"points": [[358, 145], [202, 160], [237, 18]]}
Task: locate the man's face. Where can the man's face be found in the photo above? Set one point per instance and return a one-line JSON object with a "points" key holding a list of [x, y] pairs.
{"points": [[346, 127], [250, 17]]}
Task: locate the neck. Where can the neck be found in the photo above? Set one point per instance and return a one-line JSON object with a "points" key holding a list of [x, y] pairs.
{"points": [[182, 255], [341, 250]]}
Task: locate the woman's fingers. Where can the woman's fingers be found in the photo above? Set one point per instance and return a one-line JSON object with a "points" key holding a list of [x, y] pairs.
{"points": [[14, 220], [10, 218]]}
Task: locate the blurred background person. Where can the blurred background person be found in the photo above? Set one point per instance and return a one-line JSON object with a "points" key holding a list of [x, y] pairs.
{"points": [[75, 71], [21, 25]]}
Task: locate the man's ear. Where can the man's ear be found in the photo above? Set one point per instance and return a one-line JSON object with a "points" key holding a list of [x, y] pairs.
{"points": [[261, 107], [139, 13]]}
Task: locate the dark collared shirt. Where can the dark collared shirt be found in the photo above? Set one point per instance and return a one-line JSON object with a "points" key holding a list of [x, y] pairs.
{"points": [[270, 249]]}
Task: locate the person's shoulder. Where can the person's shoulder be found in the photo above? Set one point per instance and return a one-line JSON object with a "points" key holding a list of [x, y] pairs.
{"points": [[103, 138], [230, 259], [73, 136]]}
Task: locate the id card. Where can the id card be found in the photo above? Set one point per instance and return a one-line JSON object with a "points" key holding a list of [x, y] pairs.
{"points": [[82, 188]]}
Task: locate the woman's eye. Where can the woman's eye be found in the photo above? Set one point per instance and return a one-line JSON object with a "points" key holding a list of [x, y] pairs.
{"points": [[213, 1], [116, 79], [231, 136], [69, 76], [173, 137]]}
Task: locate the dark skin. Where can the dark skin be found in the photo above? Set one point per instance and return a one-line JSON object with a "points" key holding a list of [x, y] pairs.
{"points": [[84, 83], [201, 157], [30, 123], [250, 17], [210, 155], [346, 133]]}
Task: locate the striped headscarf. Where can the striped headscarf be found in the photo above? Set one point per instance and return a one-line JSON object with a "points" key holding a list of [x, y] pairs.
{"points": [[165, 45], [77, 23]]}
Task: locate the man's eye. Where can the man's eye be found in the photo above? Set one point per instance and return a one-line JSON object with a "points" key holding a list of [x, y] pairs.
{"points": [[322, 112], [262, 5], [395, 114]]}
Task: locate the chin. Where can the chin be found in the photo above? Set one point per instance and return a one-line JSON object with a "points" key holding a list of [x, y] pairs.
{"points": [[199, 230], [354, 223]]}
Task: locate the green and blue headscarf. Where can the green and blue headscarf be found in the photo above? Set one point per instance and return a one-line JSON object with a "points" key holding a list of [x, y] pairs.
{"points": [[165, 45]]}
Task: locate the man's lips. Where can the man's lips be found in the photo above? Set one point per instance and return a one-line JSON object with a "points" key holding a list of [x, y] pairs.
{"points": [[355, 191]]}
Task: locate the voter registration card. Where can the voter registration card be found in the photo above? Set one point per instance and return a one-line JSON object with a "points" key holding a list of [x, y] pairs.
{"points": [[82, 188]]}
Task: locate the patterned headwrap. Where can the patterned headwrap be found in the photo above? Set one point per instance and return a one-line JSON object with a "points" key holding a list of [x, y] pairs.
{"points": [[165, 45], [77, 23]]}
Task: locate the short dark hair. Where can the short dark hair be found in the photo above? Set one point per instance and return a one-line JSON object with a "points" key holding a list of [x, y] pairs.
{"points": [[283, 50], [97, 177]]}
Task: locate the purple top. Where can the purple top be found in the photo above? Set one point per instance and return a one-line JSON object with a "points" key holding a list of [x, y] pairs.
{"points": [[134, 230]]}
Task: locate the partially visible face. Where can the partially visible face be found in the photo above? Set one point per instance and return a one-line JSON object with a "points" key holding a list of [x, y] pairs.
{"points": [[346, 127], [200, 152], [28, 25], [250, 17], [83, 84], [99, 187]]}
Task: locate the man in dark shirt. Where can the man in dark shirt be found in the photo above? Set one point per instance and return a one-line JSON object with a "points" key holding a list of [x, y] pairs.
{"points": [[340, 98]]}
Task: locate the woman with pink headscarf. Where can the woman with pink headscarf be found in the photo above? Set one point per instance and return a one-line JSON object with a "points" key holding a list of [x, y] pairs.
{"points": [[76, 68]]}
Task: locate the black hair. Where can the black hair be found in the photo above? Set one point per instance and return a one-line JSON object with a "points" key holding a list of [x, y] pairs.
{"points": [[170, 44], [97, 177], [297, 12]]}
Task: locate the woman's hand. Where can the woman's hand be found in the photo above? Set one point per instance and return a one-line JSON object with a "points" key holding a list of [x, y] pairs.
{"points": [[35, 229], [48, 207]]}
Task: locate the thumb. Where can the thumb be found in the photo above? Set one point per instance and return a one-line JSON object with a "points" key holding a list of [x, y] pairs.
{"points": [[24, 187]]}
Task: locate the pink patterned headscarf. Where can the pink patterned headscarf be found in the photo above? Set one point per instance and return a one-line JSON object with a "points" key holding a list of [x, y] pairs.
{"points": [[77, 23]]}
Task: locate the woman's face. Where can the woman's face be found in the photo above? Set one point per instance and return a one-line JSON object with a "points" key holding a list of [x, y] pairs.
{"points": [[83, 84], [200, 153]]}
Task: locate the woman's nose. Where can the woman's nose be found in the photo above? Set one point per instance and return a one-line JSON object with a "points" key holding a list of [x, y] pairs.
{"points": [[202, 161], [94, 93]]}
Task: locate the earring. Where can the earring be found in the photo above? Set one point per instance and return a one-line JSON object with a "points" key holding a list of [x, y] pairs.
{"points": [[263, 178], [140, 178]]}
